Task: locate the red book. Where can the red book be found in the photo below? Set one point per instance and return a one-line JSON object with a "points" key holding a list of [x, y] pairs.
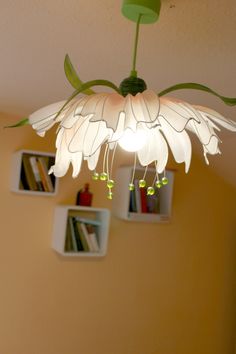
{"points": [[143, 197]]}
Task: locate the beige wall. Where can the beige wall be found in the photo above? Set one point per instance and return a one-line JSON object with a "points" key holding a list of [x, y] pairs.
{"points": [[161, 289]]}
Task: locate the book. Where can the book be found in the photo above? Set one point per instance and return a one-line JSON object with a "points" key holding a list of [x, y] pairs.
{"points": [[42, 176], [86, 235], [77, 236], [30, 182], [137, 196], [132, 202], [82, 236], [23, 183], [93, 244], [143, 198], [88, 221], [68, 247], [34, 165], [153, 203], [72, 232], [92, 237], [46, 179]]}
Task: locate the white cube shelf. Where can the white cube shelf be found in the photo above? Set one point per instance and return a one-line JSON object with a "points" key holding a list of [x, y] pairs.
{"points": [[121, 198], [26, 181], [61, 224]]}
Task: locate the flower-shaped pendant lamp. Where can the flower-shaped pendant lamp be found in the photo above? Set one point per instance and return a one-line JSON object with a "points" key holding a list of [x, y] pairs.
{"points": [[137, 119]]}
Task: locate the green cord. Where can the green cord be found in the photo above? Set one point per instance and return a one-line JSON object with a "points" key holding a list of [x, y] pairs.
{"points": [[133, 71]]}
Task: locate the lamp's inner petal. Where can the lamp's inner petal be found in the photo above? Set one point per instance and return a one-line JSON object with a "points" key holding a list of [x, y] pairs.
{"points": [[43, 119], [155, 149], [179, 143], [93, 160], [217, 118]]}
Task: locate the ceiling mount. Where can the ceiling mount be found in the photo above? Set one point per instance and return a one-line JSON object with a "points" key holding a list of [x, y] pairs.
{"points": [[149, 9]]}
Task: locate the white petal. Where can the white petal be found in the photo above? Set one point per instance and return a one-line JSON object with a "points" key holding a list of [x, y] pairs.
{"points": [[218, 118], [156, 149], [97, 133], [89, 105], [119, 129], [150, 105], [179, 143], [76, 160], [131, 118], [88, 137], [113, 106], [177, 114], [43, 119], [93, 160]]}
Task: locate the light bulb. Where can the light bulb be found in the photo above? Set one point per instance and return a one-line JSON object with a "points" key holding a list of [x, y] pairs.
{"points": [[133, 141]]}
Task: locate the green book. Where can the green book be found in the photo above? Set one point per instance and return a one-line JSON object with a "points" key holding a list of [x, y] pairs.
{"points": [[68, 241], [72, 233]]}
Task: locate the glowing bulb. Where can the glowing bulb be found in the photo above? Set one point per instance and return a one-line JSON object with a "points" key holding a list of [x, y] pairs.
{"points": [[133, 141]]}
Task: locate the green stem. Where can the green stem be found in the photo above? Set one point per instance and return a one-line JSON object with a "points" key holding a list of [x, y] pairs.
{"points": [[134, 72], [230, 101]]}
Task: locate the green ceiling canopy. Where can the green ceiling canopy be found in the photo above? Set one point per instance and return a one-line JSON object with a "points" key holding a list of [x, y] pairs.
{"points": [[149, 9]]}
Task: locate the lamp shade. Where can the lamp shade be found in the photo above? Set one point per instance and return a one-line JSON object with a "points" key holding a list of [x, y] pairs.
{"points": [[88, 122]]}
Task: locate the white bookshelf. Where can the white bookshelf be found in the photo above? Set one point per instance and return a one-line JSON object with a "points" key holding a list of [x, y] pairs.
{"points": [[121, 197], [18, 182], [60, 229]]}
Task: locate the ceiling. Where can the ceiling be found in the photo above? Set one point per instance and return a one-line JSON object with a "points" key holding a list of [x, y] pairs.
{"points": [[193, 41]]}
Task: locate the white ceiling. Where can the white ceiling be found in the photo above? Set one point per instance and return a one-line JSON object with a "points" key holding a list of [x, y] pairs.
{"points": [[192, 41]]}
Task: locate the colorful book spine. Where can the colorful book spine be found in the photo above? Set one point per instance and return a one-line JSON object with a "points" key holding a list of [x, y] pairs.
{"points": [[34, 165], [43, 169], [79, 243], [92, 237], [88, 221], [83, 237], [28, 174], [132, 202], [143, 198], [72, 232], [86, 235], [137, 196], [68, 247], [153, 204]]}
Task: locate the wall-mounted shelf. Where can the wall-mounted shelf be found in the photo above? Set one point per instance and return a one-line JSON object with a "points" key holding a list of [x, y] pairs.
{"points": [[131, 206], [71, 225], [29, 173]]}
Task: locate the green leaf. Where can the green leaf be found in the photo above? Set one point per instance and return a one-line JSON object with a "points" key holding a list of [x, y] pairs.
{"points": [[22, 122], [194, 86], [73, 77], [87, 86]]}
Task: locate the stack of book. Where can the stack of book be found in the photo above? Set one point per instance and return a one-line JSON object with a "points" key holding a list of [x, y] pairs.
{"points": [[34, 174], [81, 235], [140, 202]]}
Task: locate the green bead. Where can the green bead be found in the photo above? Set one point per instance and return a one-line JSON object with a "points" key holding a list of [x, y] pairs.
{"points": [[110, 195], [142, 183], [131, 187], [103, 176], [150, 191], [110, 183], [158, 184], [164, 180], [95, 176]]}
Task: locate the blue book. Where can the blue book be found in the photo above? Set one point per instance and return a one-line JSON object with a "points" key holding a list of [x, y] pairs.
{"points": [[132, 202]]}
